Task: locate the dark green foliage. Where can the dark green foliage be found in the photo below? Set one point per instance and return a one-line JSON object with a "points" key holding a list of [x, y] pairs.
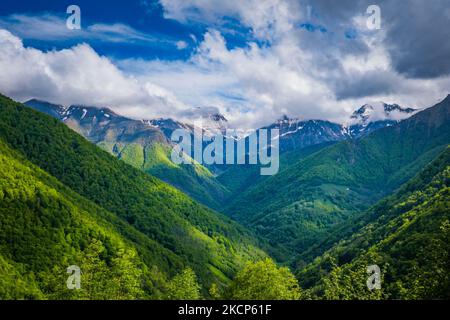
{"points": [[168, 229], [406, 235], [238, 178], [302, 205], [195, 180], [63, 202]]}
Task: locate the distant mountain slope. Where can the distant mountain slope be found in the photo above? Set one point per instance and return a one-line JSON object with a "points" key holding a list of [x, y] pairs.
{"points": [[238, 178], [187, 233], [146, 144], [296, 135], [302, 204], [141, 144], [407, 235]]}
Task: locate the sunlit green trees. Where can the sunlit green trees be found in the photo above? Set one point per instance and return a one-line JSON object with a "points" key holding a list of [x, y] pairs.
{"points": [[184, 286], [264, 280]]}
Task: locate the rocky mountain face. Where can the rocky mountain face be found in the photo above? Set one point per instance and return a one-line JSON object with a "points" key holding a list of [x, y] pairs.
{"points": [[298, 205], [102, 124], [121, 136], [297, 134]]}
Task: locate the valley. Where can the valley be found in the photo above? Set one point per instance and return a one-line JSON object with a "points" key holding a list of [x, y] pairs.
{"points": [[328, 193]]}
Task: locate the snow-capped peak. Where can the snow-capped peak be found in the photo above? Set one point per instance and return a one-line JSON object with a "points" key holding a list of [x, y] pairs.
{"points": [[380, 111], [212, 124]]}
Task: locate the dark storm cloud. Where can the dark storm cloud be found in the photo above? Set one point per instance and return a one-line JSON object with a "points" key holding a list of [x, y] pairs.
{"points": [[417, 31], [418, 37], [366, 84]]}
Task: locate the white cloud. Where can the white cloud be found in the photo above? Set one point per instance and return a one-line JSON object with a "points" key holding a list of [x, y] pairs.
{"points": [[79, 76], [253, 86], [303, 74], [267, 18], [181, 45], [50, 27], [298, 73]]}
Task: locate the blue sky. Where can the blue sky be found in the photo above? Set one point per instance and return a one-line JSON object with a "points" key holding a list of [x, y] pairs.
{"points": [[252, 60], [146, 17]]}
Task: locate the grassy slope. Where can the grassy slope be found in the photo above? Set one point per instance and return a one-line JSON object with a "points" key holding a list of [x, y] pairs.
{"points": [[238, 178], [190, 233]]}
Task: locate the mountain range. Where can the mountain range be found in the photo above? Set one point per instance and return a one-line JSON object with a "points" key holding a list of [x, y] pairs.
{"points": [[61, 195], [146, 144], [300, 204], [374, 190]]}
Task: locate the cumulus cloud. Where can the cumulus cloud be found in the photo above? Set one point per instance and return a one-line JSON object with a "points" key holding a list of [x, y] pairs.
{"points": [[418, 38], [309, 74], [78, 76], [299, 60], [267, 18]]}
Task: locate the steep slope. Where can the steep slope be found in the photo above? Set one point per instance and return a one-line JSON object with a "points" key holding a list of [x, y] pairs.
{"points": [[300, 205], [238, 178], [45, 227], [142, 144], [190, 234], [296, 134], [407, 235]]}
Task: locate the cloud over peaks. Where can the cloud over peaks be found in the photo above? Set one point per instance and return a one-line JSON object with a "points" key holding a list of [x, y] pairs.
{"points": [[78, 75]]}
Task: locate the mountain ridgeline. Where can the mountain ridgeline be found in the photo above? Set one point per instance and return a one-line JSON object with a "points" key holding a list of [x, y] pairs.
{"points": [[146, 145]]}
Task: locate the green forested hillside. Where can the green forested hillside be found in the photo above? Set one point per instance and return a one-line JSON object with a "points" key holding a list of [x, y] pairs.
{"points": [[154, 158], [301, 205], [45, 228], [166, 228], [238, 178], [407, 235], [64, 201]]}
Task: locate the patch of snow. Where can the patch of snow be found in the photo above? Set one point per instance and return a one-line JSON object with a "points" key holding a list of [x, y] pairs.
{"points": [[291, 132]]}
